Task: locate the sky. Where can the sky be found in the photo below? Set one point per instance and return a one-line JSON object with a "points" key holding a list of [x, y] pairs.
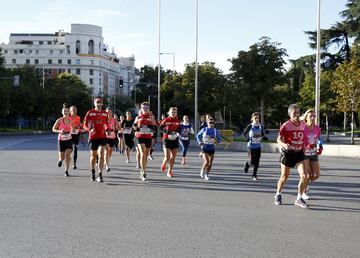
{"points": [[131, 26]]}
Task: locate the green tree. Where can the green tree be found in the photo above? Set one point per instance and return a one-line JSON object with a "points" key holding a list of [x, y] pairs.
{"points": [[67, 88], [256, 72]]}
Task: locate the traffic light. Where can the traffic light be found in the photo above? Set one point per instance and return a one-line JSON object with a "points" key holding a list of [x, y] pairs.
{"points": [[121, 83]]}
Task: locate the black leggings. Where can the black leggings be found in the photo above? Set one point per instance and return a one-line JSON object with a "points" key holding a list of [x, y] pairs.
{"points": [[75, 153], [254, 155], [185, 145]]}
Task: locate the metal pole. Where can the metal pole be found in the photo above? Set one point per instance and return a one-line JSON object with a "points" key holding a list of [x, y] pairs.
{"points": [[159, 66], [173, 62], [317, 86], [196, 67]]}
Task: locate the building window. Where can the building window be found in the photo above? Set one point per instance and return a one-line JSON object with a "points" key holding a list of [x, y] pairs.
{"points": [[36, 52], [78, 71], [78, 47], [68, 49], [69, 61], [50, 71], [61, 51], [69, 70], [91, 47], [59, 61], [36, 61], [41, 42], [51, 52], [27, 61], [15, 52], [78, 61], [49, 61], [30, 51], [91, 62], [91, 81], [49, 43], [5, 51], [91, 72], [99, 81], [14, 61]]}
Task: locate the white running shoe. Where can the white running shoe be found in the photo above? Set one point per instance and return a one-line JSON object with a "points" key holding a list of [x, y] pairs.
{"points": [[301, 203], [206, 176], [305, 195], [202, 173], [127, 161]]}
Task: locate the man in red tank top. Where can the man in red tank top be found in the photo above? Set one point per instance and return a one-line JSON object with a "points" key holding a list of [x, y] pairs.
{"points": [[291, 139], [95, 123]]}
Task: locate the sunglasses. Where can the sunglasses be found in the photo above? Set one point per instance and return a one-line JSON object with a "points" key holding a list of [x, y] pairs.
{"points": [[98, 102], [211, 122], [145, 107]]}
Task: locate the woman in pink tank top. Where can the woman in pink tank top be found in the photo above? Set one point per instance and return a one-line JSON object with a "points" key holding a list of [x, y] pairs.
{"points": [[63, 126], [312, 149]]}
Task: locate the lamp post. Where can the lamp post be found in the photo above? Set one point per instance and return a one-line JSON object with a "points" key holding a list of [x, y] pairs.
{"points": [[159, 65], [317, 86], [352, 119], [196, 67]]}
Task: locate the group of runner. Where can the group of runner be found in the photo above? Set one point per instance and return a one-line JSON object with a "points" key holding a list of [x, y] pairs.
{"points": [[299, 139]]}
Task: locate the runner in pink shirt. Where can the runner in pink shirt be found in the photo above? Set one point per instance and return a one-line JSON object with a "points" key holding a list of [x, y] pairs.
{"points": [[291, 139], [313, 148], [111, 132]]}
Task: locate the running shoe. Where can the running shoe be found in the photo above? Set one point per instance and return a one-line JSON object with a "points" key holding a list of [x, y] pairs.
{"points": [[206, 176], [170, 174], [305, 195], [66, 174], [151, 157], [163, 167], [254, 178], [60, 163], [100, 179], [278, 200], [246, 167], [108, 169], [92, 178], [183, 161], [127, 161], [202, 173], [301, 203], [74, 167]]}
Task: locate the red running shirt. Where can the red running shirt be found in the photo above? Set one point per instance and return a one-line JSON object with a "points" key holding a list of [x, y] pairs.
{"points": [[293, 135], [76, 121], [172, 125], [96, 120], [144, 122]]}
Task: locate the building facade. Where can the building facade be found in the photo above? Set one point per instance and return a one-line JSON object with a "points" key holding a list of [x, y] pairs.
{"points": [[81, 52]]}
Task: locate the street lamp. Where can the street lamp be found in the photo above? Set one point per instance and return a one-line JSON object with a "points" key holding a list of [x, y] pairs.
{"points": [[196, 66], [352, 119], [317, 86], [159, 65]]}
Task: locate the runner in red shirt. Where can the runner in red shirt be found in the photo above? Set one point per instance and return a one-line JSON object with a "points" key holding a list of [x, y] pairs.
{"points": [[75, 135], [144, 125], [291, 139], [95, 123], [170, 127]]}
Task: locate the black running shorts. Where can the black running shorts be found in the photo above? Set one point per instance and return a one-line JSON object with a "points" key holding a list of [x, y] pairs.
{"points": [[64, 145], [95, 143], [147, 142], [290, 158]]}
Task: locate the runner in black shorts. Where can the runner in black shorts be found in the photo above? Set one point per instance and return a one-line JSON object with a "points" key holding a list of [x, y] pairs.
{"points": [[128, 135]]}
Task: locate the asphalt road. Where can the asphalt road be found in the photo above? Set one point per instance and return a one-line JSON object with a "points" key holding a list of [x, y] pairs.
{"points": [[43, 214]]}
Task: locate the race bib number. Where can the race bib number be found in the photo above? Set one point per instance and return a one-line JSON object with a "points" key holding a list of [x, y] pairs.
{"points": [[172, 136], [65, 137], [145, 130], [185, 138], [209, 140], [127, 130], [111, 135], [255, 139], [75, 131]]}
